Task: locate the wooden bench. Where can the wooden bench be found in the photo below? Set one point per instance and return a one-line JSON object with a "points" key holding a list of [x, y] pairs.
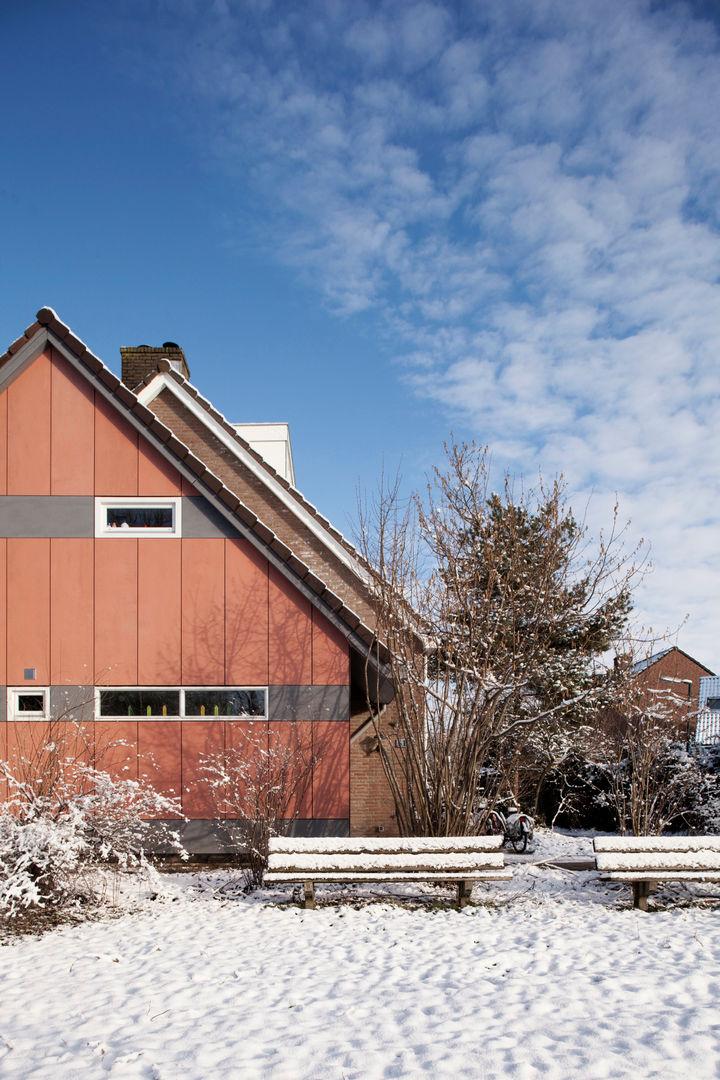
{"points": [[645, 860], [464, 859]]}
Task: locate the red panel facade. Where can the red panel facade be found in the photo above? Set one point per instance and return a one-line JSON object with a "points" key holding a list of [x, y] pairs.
{"points": [[116, 743], [126, 612], [159, 756], [330, 659], [72, 431], [159, 614], [331, 775], [156, 476], [28, 426], [3, 611], [28, 609], [246, 615], [71, 611], [3, 443], [116, 451], [290, 634], [116, 612], [203, 612], [200, 740]]}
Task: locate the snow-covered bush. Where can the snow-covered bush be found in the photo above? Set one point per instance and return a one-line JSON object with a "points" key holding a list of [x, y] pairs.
{"points": [[64, 813]]}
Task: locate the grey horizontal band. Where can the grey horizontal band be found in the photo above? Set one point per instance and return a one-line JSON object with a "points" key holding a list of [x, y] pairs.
{"points": [[73, 516], [286, 703]]}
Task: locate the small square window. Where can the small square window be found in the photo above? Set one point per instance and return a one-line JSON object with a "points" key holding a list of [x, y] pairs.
{"points": [[28, 704]]}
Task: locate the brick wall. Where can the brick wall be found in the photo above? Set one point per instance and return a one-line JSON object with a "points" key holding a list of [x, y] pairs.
{"points": [[372, 810], [139, 360], [676, 665]]}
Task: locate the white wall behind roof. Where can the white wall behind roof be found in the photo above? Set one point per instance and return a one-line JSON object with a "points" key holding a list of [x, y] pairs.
{"points": [[272, 442]]}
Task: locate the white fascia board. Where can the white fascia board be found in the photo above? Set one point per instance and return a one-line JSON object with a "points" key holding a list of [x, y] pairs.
{"points": [[165, 382]]}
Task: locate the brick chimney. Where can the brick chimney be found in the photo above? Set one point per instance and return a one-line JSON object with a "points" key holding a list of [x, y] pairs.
{"points": [[142, 360]]}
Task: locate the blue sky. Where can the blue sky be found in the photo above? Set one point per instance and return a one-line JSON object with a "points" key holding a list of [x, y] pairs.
{"points": [[384, 222]]}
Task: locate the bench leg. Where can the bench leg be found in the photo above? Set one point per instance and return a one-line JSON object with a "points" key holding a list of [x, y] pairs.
{"points": [[309, 901], [641, 891], [464, 892]]}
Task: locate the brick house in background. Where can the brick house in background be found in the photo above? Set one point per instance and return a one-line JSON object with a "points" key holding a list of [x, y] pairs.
{"points": [[675, 676], [168, 584]]}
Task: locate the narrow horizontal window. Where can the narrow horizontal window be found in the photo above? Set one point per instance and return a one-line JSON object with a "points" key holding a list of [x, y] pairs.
{"points": [[139, 703], [712, 703], [225, 703], [138, 517], [28, 704]]}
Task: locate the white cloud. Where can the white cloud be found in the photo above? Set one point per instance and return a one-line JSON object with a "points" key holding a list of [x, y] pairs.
{"points": [[527, 192]]}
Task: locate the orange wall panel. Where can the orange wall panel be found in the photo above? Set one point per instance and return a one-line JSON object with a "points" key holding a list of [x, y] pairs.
{"points": [[246, 744], [28, 609], [290, 633], [246, 615], [156, 476], [203, 612], [116, 745], [331, 775], [3, 757], [72, 431], [159, 590], [116, 612], [116, 451], [3, 611], [26, 747], [291, 745], [159, 749], [28, 426], [200, 739], [3, 443], [330, 654], [71, 612]]}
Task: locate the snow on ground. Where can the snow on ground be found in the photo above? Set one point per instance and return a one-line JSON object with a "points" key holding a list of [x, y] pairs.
{"points": [[549, 975]]}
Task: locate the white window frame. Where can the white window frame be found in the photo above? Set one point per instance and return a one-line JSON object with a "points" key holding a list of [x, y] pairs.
{"points": [[181, 691], [102, 529], [15, 692]]}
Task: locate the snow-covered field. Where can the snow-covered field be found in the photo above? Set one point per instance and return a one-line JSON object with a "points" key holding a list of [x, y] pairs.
{"points": [[550, 975]]}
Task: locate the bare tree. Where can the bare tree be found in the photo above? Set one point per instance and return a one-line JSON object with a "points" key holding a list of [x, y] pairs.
{"points": [[492, 611]]}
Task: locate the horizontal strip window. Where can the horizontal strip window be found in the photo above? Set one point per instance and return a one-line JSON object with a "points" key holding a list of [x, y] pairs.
{"points": [[28, 704], [177, 703], [138, 517]]}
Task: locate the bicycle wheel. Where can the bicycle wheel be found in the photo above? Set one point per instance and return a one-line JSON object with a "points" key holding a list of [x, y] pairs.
{"points": [[494, 825], [519, 843]]}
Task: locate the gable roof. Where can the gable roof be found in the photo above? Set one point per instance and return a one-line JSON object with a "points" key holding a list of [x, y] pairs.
{"points": [[643, 665], [50, 330]]}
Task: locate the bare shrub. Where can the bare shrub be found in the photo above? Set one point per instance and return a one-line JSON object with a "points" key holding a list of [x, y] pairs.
{"points": [[259, 783]]}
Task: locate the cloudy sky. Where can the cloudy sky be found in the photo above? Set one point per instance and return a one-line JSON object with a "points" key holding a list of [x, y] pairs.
{"points": [[384, 222]]}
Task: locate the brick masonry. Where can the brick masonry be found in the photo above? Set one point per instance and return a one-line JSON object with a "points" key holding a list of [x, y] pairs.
{"points": [[676, 665]]}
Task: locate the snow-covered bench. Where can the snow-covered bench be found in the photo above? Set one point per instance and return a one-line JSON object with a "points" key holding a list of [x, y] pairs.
{"points": [[645, 860], [464, 859]]}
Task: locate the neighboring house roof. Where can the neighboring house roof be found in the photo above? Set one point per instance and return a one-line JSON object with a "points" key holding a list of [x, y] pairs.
{"points": [[49, 329], [643, 665]]}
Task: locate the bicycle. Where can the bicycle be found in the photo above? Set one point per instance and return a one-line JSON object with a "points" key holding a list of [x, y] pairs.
{"points": [[516, 828]]}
